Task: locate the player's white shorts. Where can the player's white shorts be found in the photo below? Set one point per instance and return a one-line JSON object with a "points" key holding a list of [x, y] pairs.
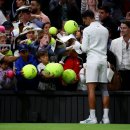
{"points": [[96, 72]]}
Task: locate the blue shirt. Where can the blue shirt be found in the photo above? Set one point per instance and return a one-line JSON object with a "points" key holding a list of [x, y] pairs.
{"points": [[20, 63]]}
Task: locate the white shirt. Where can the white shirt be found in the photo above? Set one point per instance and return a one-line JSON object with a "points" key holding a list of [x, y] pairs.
{"points": [[125, 63], [118, 47], [16, 27], [94, 42], [40, 67]]}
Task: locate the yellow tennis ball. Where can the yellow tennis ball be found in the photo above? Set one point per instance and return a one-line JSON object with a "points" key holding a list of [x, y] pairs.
{"points": [[70, 26], [9, 53], [52, 41], [29, 42], [69, 76], [54, 69], [59, 70], [29, 71], [53, 30]]}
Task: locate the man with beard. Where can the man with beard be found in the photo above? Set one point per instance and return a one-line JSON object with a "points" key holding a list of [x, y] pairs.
{"points": [[37, 13], [94, 44], [121, 48]]}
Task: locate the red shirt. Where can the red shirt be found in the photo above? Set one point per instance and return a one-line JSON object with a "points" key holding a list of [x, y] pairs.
{"points": [[74, 63]]}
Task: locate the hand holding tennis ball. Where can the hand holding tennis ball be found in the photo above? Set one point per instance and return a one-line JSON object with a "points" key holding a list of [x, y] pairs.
{"points": [[29, 71], [54, 69], [29, 41]]}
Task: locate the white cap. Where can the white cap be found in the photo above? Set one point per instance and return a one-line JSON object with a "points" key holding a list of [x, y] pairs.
{"points": [[76, 47], [27, 29], [24, 7]]}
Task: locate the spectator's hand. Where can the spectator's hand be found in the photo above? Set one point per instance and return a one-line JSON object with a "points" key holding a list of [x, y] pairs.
{"points": [[36, 16], [70, 48], [21, 72], [23, 41], [51, 75], [47, 74], [63, 83], [75, 81]]}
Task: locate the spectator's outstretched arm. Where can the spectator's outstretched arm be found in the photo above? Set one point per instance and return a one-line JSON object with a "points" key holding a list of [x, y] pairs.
{"points": [[10, 58]]}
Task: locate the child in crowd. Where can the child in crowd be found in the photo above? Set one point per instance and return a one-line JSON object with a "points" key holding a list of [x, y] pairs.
{"points": [[74, 62], [79, 33], [24, 59], [46, 27], [4, 47], [46, 79], [9, 32], [7, 80], [42, 43], [2, 38]]}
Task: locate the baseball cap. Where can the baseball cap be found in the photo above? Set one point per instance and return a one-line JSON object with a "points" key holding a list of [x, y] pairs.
{"points": [[22, 47]]}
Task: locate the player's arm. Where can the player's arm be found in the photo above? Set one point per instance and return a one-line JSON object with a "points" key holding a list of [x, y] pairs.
{"points": [[85, 42]]}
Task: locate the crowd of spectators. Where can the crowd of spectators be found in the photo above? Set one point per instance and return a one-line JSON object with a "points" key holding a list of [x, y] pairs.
{"points": [[25, 39]]}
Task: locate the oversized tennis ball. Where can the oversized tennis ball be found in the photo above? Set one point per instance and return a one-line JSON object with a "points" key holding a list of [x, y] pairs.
{"points": [[69, 76], [29, 71], [59, 68], [53, 30], [9, 53], [52, 41], [70, 26], [29, 42], [54, 69]]}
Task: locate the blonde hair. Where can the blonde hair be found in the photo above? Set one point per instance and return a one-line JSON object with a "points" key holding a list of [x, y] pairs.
{"points": [[85, 6]]}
